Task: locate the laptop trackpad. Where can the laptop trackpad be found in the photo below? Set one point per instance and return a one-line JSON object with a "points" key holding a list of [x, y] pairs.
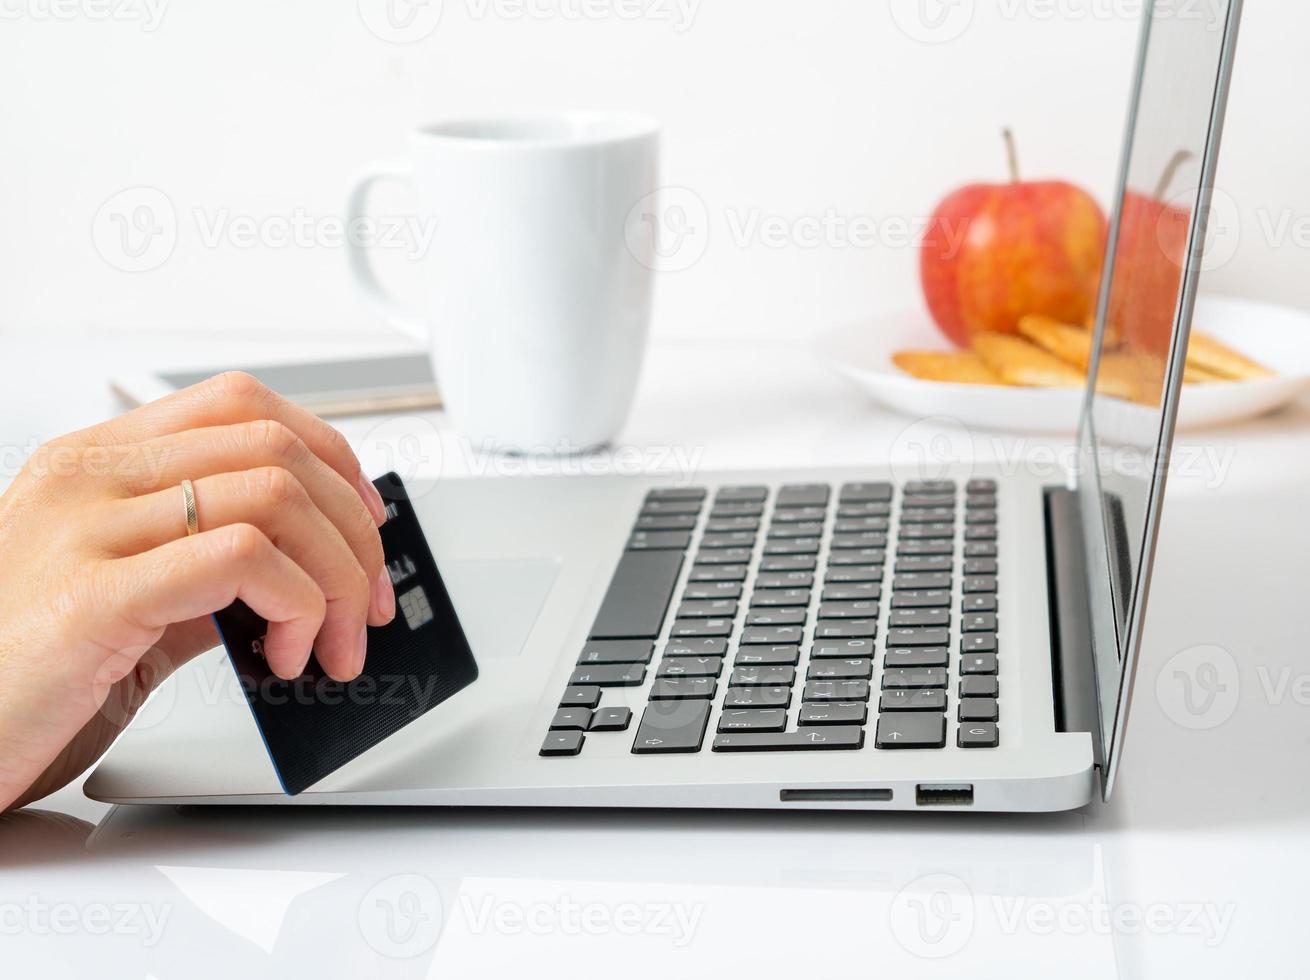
{"points": [[499, 600]]}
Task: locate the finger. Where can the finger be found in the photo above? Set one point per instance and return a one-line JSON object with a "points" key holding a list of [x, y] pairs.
{"points": [[162, 464], [274, 501], [235, 397], [200, 575]]}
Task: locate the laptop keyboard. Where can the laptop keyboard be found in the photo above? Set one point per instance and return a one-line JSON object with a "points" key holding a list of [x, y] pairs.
{"points": [[778, 640]]}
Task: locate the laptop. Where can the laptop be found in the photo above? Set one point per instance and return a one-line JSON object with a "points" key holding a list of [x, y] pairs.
{"points": [[822, 639]]}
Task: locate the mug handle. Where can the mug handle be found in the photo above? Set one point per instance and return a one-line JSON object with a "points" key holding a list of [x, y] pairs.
{"points": [[360, 265]]}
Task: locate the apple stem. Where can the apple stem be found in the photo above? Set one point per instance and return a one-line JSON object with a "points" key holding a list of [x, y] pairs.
{"points": [[1170, 172], [1011, 153]]}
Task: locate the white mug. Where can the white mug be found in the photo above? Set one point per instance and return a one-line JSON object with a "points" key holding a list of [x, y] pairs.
{"points": [[539, 275]]}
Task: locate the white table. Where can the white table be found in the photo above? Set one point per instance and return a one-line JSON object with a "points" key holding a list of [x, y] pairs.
{"points": [[1196, 868]]}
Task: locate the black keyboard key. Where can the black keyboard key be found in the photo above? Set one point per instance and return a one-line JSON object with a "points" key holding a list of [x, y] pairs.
{"points": [[677, 493], [927, 548], [840, 670], [803, 495], [656, 522], [845, 629], [728, 539], [904, 699], [901, 678], [980, 566], [707, 609], [659, 541], [938, 485], [562, 744], [916, 532], [978, 515], [906, 618], [859, 525], [857, 556], [718, 573], [978, 663], [925, 501], [638, 596], [724, 556], [849, 609], [921, 599], [788, 563], [979, 623], [756, 494], [859, 539], [611, 720], [745, 508], [692, 646], [853, 575], [978, 604], [980, 501], [980, 532], [774, 598], [674, 726], [917, 581], [979, 687], [791, 546], [929, 515], [784, 580], [834, 713], [758, 676], [613, 675], [980, 485], [683, 628], [757, 697], [917, 657], [803, 529], [849, 649], [978, 709], [864, 510], [753, 720], [690, 667], [864, 493], [712, 590], [574, 719], [580, 697], [684, 689], [776, 617], [860, 592], [980, 549], [836, 691], [800, 515], [925, 563], [769, 635], [723, 525], [979, 735], [918, 637], [665, 508], [978, 643], [780, 655], [911, 730], [616, 652], [836, 737]]}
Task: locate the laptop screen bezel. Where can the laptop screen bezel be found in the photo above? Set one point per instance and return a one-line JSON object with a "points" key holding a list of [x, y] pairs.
{"points": [[1115, 649]]}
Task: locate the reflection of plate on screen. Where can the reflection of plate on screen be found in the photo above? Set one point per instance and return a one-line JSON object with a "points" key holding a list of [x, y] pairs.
{"points": [[1274, 335]]}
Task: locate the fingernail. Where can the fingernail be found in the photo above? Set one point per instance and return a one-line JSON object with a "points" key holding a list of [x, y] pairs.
{"points": [[363, 650], [372, 499], [304, 665], [384, 596]]}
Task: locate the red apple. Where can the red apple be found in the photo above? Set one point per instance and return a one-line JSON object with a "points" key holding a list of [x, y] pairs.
{"points": [[996, 252]]}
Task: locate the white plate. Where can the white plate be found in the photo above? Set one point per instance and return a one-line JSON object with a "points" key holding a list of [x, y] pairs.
{"points": [[1273, 335]]}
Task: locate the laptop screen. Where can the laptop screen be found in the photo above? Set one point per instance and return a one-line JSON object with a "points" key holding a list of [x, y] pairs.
{"points": [[1147, 298]]}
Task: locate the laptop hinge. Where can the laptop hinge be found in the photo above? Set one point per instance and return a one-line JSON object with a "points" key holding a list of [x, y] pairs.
{"points": [[1072, 665]]}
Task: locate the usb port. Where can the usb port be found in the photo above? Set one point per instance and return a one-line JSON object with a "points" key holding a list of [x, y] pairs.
{"points": [[960, 794]]}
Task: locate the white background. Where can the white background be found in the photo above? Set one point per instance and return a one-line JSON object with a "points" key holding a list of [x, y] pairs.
{"points": [[260, 109]]}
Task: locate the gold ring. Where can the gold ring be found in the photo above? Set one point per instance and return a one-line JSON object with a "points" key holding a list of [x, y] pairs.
{"points": [[189, 502]]}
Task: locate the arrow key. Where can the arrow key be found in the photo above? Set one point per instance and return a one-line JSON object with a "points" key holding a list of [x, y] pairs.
{"points": [[911, 730]]}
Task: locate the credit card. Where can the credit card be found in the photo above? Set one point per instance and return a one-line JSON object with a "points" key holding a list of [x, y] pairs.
{"points": [[314, 725]]}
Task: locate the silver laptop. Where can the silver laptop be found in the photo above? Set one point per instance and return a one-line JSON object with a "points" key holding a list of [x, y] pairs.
{"points": [[822, 639]]}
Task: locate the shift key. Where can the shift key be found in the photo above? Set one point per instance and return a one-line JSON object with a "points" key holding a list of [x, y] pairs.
{"points": [[672, 726]]}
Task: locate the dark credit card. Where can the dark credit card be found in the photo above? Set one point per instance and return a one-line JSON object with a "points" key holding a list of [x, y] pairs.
{"points": [[314, 725]]}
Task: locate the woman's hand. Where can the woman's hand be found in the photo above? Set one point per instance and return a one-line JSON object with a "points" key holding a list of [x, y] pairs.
{"points": [[103, 593]]}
